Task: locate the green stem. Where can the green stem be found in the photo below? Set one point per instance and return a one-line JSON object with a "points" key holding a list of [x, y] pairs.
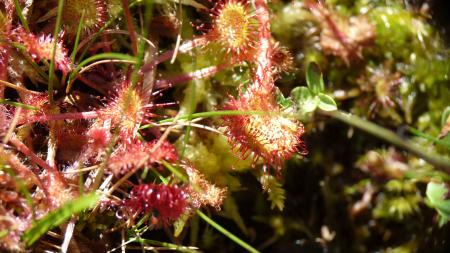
{"points": [[102, 56], [433, 139], [77, 38], [207, 115], [21, 17], [136, 75], [176, 172], [226, 232], [389, 136], [17, 104], [55, 43]]}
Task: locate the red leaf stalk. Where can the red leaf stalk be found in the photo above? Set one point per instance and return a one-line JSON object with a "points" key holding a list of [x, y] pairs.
{"points": [[264, 77]]}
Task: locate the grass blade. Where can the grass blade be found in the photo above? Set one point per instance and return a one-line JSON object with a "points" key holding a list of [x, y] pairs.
{"points": [[77, 38], [57, 217], [227, 233], [22, 19], [103, 56], [17, 104]]}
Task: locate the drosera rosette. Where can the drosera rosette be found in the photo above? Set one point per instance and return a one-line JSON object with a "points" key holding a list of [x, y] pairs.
{"points": [[169, 203], [381, 95], [127, 110], [267, 134], [343, 37]]}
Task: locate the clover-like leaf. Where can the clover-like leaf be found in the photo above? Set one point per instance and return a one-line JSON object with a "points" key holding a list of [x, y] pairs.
{"points": [[326, 102], [314, 79], [436, 195], [305, 101]]}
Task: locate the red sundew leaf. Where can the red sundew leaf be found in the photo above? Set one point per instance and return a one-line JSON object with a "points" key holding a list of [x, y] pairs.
{"points": [[271, 136], [235, 28], [140, 154], [41, 47]]}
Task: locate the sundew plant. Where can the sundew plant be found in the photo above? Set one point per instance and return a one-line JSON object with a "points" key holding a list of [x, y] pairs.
{"points": [[226, 126]]}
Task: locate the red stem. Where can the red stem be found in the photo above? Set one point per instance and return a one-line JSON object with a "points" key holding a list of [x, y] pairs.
{"points": [[62, 116], [33, 157], [264, 71], [131, 30]]}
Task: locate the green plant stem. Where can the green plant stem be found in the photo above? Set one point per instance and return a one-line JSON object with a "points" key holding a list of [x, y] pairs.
{"points": [[102, 56], [176, 172], [77, 38], [207, 115], [17, 104], [22, 19], [55, 43], [389, 136], [226, 232], [433, 139], [137, 74]]}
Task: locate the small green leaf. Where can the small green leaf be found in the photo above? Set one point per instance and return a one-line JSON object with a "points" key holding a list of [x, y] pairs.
{"points": [[326, 102], [314, 79], [179, 224], [445, 116], [57, 217], [305, 101], [275, 192], [281, 100], [444, 142], [436, 194]]}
